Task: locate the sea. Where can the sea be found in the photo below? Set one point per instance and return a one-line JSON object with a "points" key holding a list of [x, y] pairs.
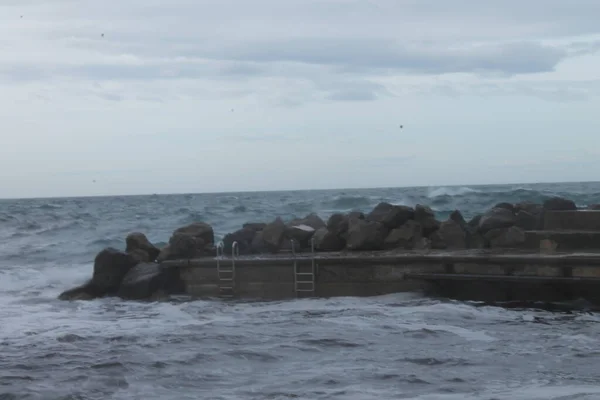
{"points": [[398, 346]]}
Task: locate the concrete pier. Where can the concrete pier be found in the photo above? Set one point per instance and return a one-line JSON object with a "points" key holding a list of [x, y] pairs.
{"points": [[469, 275]]}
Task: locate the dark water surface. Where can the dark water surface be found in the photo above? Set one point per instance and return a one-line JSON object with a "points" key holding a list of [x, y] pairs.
{"points": [[389, 347]]}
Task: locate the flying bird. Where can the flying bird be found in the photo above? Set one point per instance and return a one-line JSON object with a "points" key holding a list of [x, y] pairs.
{"points": [[102, 35], [401, 126]]}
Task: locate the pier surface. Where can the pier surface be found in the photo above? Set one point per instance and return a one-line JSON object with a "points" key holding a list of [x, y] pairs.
{"points": [[475, 275]]}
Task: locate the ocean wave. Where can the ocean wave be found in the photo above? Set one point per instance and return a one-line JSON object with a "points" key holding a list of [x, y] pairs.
{"points": [[349, 203], [450, 191]]}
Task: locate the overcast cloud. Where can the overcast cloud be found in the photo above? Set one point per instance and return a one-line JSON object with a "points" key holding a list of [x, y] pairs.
{"points": [[195, 96]]}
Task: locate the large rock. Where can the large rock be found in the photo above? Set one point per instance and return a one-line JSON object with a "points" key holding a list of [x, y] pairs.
{"points": [[559, 204], [183, 246], [530, 207], [149, 280], [198, 230], [405, 237], [511, 237], [243, 237], [258, 244], [139, 241], [451, 235], [272, 235], [365, 235], [496, 218], [526, 221], [110, 267], [507, 206], [425, 216], [338, 223], [301, 230], [391, 216], [328, 241], [87, 291]]}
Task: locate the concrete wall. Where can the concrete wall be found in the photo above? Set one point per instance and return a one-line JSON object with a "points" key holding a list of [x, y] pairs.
{"points": [[356, 275]]}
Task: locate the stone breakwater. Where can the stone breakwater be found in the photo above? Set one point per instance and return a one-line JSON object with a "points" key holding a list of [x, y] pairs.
{"points": [[136, 273]]}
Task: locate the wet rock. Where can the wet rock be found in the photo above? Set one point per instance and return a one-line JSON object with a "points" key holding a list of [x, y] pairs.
{"points": [[303, 229], [110, 266], [496, 218], [511, 237], [530, 207], [273, 234], [87, 291], [183, 246], [391, 216], [426, 217], [422, 212], [255, 226], [243, 237], [475, 241], [328, 241], [258, 244], [506, 206], [365, 235], [404, 237], [559, 204], [451, 235], [141, 255], [474, 223], [139, 241], [526, 221], [199, 230], [338, 223], [145, 281]]}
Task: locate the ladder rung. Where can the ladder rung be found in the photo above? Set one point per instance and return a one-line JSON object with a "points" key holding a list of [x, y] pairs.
{"points": [[304, 273], [225, 270], [225, 287], [226, 279], [305, 290]]}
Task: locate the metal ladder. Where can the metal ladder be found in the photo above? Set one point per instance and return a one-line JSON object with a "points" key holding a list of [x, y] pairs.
{"points": [[304, 279], [226, 274]]}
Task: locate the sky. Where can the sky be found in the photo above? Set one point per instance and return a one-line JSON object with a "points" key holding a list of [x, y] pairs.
{"points": [[190, 96]]}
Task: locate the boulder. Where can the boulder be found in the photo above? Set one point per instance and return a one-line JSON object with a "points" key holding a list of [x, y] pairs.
{"points": [[183, 246], [474, 222], [110, 267], [139, 241], [506, 206], [198, 230], [145, 281], [87, 291], [391, 216], [451, 235], [326, 240], [559, 204], [338, 223], [301, 230], [530, 207], [255, 226], [404, 237], [526, 221], [496, 218], [272, 235], [365, 235], [510, 237], [258, 244], [243, 237], [426, 217], [141, 256], [422, 212]]}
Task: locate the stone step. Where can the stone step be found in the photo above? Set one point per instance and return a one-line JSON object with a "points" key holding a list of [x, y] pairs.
{"points": [[581, 220], [563, 240]]}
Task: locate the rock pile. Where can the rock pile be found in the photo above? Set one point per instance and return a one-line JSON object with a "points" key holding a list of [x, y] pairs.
{"points": [[137, 273]]}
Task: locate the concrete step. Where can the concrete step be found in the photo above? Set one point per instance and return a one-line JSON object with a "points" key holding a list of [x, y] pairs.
{"points": [[581, 220], [562, 240]]}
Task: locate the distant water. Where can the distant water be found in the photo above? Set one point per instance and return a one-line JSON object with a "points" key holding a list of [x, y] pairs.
{"points": [[389, 347]]}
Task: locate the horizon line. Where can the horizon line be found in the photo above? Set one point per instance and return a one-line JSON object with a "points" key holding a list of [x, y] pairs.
{"points": [[290, 190]]}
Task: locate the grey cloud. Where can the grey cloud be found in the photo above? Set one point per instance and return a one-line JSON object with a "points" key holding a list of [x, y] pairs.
{"points": [[514, 58], [352, 95]]}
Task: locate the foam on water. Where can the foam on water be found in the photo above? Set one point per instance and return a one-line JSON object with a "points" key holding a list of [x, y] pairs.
{"points": [[387, 347]]}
